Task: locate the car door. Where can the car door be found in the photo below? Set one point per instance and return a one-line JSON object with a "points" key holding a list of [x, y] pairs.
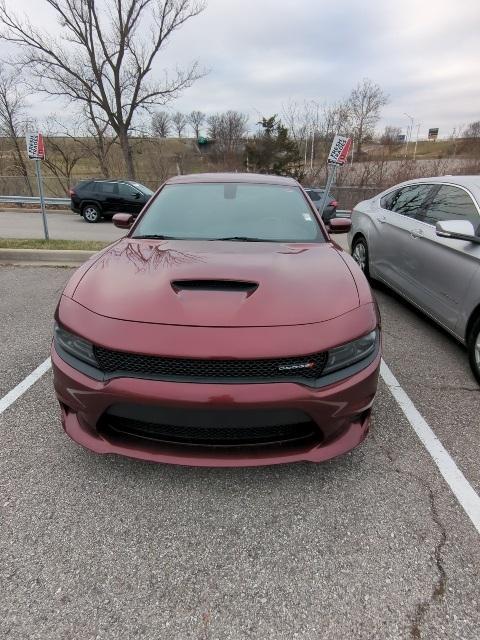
{"points": [[132, 200], [396, 261], [445, 266], [111, 199]]}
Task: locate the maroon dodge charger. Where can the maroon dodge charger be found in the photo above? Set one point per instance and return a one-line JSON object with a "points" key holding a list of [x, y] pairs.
{"points": [[224, 329]]}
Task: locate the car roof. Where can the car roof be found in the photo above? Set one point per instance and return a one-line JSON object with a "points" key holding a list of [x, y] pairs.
{"points": [[464, 181], [109, 180], [471, 182], [252, 178]]}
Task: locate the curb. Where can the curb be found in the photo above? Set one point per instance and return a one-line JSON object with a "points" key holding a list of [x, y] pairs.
{"points": [[29, 210], [45, 257]]}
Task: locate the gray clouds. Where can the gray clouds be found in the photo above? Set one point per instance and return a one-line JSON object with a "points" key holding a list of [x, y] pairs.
{"points": [[262, 53]]}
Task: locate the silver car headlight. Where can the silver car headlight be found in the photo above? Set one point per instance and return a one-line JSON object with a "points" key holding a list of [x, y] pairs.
{"points": [[351, 352], [75, 346]]}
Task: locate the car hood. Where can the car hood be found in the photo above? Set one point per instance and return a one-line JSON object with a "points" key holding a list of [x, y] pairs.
{"points": [[218, 284]]}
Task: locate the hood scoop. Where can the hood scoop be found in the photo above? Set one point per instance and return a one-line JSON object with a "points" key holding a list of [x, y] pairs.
{"points": [[241, 286]]}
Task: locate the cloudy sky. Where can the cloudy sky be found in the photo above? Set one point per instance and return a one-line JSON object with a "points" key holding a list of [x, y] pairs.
{"points": [[263, 53]]}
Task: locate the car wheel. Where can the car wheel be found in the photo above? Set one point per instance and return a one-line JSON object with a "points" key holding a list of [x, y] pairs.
{"points": [[360, 255], [91, 213], [474, 349]]}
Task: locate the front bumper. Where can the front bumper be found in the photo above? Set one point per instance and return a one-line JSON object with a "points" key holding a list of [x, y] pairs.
{"points": [[340, 413]]}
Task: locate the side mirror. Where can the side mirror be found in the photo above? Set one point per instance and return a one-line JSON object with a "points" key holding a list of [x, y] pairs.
{"points": [[457, 230], [123, 220], [339, 225]]}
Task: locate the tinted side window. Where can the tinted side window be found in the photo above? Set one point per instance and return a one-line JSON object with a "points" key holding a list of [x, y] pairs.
{"points": [[386, 201], [106, 187], [409, 200], [126, 190], [84, 186], [451, 203], [314, 195]]}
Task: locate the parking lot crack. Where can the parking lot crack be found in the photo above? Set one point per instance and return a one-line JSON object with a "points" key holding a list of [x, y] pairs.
{"points": [[439, 587], [451, 387]]}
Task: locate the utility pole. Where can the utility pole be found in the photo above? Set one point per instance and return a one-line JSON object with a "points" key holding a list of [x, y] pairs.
{"points": [[416, 142], [311, 153], [409, 132]]}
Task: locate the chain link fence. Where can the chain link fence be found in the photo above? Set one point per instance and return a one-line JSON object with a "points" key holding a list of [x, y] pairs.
{"points": [[346, 195]]}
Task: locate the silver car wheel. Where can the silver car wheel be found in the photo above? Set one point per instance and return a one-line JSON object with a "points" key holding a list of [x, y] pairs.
{"points": [[477, 351], [90, 214], [359, 255]]}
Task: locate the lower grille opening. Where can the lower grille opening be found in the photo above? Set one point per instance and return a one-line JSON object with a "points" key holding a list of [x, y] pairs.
{"points": [[211, 435]]}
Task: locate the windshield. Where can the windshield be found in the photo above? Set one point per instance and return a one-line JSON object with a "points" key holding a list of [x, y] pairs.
{"points": [[230, 211], [314, 194]]}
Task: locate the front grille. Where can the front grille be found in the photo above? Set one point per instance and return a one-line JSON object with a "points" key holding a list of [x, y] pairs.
{"points": [[216, 435], [271, 369]]}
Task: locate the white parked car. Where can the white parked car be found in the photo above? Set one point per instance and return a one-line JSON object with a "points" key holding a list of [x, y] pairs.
{"points": [[422, 239]]}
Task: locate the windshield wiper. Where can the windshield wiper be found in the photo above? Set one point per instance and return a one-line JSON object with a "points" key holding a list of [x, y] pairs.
{"points": [[243, 239], [154, 236]]}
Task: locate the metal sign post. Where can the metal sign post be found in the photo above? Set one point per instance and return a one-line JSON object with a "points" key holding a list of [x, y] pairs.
{"points": [[36, 151], [337, 157], [326, 193], [38, 171]]}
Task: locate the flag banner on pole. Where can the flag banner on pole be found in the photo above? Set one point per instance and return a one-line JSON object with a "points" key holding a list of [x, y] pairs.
{"points": [[339, 150], [35, 146]]}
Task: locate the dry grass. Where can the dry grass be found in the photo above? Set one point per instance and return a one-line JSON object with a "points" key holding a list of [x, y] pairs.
{"points": [[27, 243]]}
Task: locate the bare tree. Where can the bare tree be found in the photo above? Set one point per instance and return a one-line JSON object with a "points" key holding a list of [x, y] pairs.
{"points": [[364, 104], [92, 134], [101, 57], [297, 118], [63, 154], [179, 121], [196, 120], [101, 134], [13, 119], [161, 124], [227, 130], [390, 138], [213, 126], [472, 130], [391, 135], [159, 162]]}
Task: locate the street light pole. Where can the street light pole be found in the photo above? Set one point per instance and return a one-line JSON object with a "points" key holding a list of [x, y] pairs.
{"points": [[409, 132], [312, 150], [416, 141]]}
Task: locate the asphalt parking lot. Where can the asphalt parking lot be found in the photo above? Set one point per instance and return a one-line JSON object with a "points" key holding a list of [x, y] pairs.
{"points": [[62, 225], [371, 545]]}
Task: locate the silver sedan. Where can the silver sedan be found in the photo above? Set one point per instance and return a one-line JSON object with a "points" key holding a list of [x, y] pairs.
{"points": [[422, 239]]}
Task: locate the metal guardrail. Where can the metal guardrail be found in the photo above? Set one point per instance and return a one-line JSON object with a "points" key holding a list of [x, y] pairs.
{"points": [[341, 213], [33, 200]]}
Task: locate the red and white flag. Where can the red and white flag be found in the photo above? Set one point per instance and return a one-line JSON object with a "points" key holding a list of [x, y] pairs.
{"points": [[339, 150], [35, 146]]}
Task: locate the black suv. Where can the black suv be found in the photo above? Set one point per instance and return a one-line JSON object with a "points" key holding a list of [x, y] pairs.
{"points": [[95, 199], [316, 194]]}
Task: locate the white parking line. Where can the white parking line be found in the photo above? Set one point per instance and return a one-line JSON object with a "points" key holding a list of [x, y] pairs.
{"points": [[462, 490], [20, 389]]}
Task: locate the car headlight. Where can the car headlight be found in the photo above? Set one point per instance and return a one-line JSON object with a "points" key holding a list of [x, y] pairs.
{"points": [[350, 353], [75, 346]]}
